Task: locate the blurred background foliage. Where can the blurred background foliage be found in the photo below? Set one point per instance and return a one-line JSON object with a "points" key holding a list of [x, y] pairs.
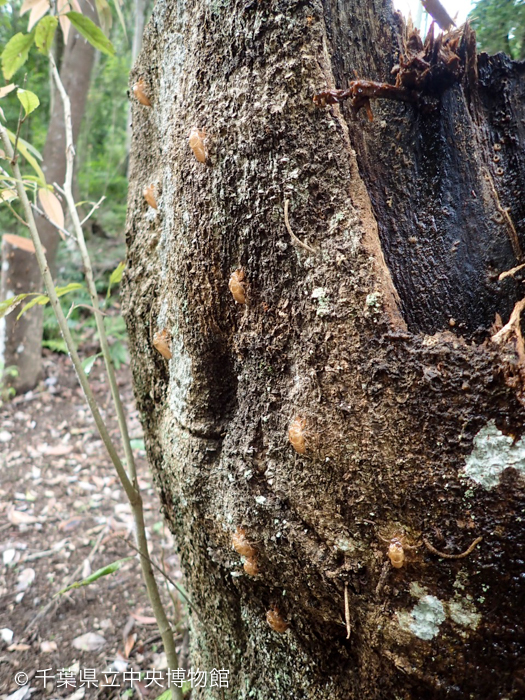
{"points": [[101, 170], [102, 145], [500, 26]]}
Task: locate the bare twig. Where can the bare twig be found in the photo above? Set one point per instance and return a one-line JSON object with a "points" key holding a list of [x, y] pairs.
{"points": [[17, 216], [292, 234], [93, 208], [464, 554], [53, 223], [513, 234], [512, 271], [347, 613], [165, 575], [77, 227]]}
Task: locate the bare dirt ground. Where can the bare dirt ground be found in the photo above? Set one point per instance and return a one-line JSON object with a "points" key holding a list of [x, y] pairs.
{"points": [[63, 515]]}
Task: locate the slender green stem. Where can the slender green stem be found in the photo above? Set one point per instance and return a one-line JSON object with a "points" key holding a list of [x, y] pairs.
{"points": [[130, 490], [88, 271], [136, 504]]}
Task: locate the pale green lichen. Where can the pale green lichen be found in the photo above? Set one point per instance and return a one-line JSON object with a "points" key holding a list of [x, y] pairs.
{"points": [[427, 616], [493, 453], [323, 306], [425, 619], [463, 612]]}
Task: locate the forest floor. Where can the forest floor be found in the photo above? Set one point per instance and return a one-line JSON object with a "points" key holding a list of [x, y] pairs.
{"points": [[64, 515]]}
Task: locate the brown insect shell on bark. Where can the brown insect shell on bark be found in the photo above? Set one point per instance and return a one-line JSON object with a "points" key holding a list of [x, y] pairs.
{"points": [[237, 286], [396, 553], [196, 141], [241, 544], [140, 94], [162, 343], [149, 196], [276, 620], [251, 567], [296, 435]]}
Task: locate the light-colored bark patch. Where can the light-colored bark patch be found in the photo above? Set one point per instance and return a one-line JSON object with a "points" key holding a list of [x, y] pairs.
{"points": [[493, 453]]}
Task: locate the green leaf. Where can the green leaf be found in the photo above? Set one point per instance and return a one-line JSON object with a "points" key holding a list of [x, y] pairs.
{"points": [[116, 277], [40, 299], [45, 33], [9, 305], [91, 32], [56, 345], [22, 146], [137, 444], [15, 53], [69, 288], [28, 100], [88, 363], [43, 299], [105, 571]]}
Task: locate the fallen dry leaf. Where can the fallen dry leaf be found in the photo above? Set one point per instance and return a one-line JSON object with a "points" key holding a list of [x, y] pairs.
{"points": [[130, 643], [18, 517], [25, 579], [48, 647], [19, 647], [144, 619], [91, 641]]}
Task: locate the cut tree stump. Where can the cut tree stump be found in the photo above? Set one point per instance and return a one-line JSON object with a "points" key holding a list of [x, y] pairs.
{"points": [[20, 340]]}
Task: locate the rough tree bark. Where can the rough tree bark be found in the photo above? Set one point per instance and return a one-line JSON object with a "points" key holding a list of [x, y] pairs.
{"points": [[379, 342]]}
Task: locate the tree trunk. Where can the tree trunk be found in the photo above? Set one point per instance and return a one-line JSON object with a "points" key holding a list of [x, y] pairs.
{"points": [[20, 340], [75, 73], [353, 418]]}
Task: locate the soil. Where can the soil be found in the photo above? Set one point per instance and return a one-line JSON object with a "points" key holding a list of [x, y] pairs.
{"points": [[64, 516]]}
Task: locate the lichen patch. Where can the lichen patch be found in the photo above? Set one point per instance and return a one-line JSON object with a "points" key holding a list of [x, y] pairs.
{"points": [[493, 453]]}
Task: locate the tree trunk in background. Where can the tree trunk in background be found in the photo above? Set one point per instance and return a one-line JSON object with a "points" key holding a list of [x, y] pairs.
{"points": [[20, 340], [75, 73], [378, 343]]}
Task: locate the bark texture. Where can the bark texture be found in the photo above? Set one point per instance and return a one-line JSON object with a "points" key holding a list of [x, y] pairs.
{"points": [[20, 339], [378, 342]]}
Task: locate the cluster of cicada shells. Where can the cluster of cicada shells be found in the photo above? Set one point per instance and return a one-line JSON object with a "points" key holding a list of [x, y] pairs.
{"points": [[243, 547]]}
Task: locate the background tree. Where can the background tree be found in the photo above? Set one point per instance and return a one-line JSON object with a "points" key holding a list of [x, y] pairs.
{"points": [[102, 149], [372, 336], [500, 26]]}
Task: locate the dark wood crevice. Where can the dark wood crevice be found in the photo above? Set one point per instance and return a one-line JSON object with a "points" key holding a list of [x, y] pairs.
{"points": [[444, 173]]}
